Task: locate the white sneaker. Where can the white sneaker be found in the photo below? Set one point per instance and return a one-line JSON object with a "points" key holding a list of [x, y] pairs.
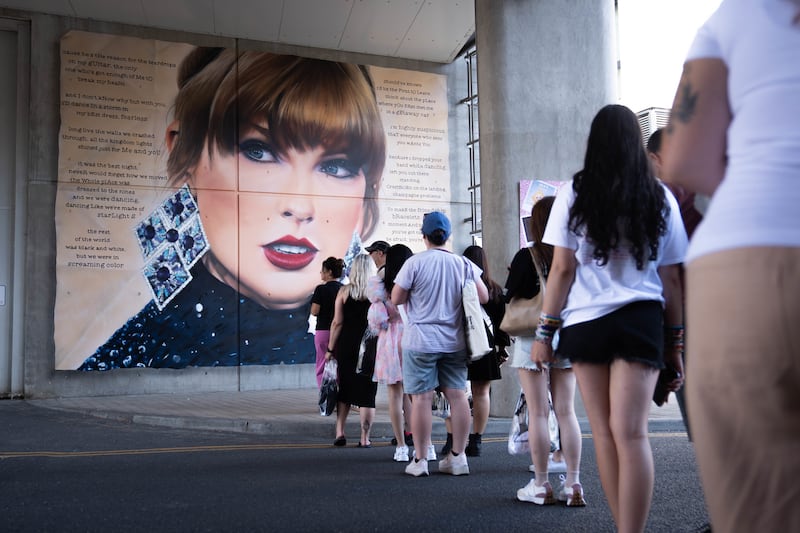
{"points": [[401, 454], [556, 467], [431, 456], [572, 496], [455, 465], [540, 495], [431, 453], [553, 467], [417, 468]]}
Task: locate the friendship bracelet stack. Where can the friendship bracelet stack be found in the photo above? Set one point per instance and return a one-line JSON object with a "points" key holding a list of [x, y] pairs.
{"points": [[548, 325], [673, 337]]}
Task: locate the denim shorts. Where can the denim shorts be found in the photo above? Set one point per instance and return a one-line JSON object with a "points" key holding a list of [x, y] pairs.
{"points": [[423, 372], [521, 356]]}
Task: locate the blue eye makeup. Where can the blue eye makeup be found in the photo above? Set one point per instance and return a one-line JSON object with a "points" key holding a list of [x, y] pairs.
{"points": [[258, 151], [339, 168]]}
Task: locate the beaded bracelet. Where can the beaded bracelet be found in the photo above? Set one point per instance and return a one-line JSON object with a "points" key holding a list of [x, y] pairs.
{"points": [[546, 330], [674, 337]]}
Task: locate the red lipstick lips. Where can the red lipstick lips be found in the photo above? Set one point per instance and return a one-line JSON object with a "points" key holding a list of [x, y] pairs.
{"points": [[290, 253]]}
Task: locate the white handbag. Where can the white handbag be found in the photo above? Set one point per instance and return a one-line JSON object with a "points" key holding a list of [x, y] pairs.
{"points": [[476, 321]]}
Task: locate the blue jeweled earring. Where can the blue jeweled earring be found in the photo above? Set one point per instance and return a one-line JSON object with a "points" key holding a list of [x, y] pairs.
{"points": [[171, 240], [355, 248]]}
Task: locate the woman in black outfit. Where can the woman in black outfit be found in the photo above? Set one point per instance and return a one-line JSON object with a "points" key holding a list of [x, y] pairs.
{"points": [[486, 369], [347, 330], [322, 307]]}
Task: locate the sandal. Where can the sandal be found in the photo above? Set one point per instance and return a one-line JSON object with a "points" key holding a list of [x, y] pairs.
{"points": [[340, 441], [367, 445]]}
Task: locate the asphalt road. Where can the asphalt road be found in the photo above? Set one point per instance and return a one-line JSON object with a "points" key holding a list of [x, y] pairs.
{"points": [[65, 472]]}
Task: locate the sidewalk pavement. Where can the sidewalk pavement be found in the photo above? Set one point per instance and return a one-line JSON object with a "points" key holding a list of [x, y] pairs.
{"points": [[290, 413]]}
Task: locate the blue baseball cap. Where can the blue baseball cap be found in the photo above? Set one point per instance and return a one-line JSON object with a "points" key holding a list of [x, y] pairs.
{"points": [[436, 220]]}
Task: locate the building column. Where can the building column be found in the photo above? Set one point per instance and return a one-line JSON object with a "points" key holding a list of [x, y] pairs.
{"points": [[544, 70]]}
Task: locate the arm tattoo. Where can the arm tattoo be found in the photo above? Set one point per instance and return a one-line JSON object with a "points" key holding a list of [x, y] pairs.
{"points": [[685, 104]]}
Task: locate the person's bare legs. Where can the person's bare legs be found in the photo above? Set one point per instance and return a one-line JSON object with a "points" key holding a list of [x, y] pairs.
{"points": [[407, 413], [421, 419], [366, 416], [395, 396], [459, 418], [480, 406], [617, 401], [562, 388], [342, 410], [632, 386], [534, 385]]}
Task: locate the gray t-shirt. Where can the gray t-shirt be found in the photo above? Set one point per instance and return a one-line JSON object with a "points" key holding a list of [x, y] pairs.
{"points": [[434, 279]]}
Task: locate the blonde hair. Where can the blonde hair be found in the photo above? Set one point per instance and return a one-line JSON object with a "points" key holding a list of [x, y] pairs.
{"points": [[361, 270], [305, 103]]}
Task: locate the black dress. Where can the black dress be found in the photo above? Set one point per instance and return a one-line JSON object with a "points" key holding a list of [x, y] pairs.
{"points": [[354, 389], [487, 368]]}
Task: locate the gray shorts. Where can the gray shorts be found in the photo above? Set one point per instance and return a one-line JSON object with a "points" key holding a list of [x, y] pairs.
{"points": [[423, 372]]}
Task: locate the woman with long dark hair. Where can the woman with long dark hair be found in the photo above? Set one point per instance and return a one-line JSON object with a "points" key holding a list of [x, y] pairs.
{"points": [[385, 322], [614, 291], [482, 372]]}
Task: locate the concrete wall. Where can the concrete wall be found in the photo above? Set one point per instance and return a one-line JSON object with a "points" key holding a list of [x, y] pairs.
{"points": [[544, 70], [40, 377]]}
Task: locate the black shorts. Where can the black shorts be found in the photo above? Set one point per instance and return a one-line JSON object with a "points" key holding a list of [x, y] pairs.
{"points": [[634, 333]]}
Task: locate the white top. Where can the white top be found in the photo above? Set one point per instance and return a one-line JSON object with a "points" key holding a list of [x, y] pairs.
{"points": [[758, 200], [599, 290], [433, 279]]}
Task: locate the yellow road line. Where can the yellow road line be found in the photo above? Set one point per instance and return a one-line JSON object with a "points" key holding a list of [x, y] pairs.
{"points": [[227, 448], [151, 451]]}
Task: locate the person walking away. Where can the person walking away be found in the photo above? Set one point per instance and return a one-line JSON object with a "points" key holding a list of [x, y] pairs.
{"points": [[614, 291], [377, 251], [691, 217], [482, 372], [555, 378], [434, 348], [734, 134], [385, 322], [322, 306], [347, 330]]}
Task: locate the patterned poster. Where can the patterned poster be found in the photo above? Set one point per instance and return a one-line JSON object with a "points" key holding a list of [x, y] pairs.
{"points": [[530, 192]]}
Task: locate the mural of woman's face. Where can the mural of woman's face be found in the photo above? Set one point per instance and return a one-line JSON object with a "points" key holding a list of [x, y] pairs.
{"points": [[271, 218]]}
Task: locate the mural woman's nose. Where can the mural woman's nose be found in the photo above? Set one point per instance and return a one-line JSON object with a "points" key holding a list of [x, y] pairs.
{"points": [[299, 208]]}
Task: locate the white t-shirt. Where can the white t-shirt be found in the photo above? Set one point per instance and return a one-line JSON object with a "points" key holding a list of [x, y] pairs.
{"points": [[434, 279], [757, 202], [599, 290]]}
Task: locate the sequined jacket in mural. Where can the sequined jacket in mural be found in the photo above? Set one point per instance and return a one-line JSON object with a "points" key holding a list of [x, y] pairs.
{"points": [[207, 324]]}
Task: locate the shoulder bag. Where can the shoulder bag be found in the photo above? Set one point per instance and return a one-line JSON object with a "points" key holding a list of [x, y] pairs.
{"points": [[522, 314], [476, 321]]}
